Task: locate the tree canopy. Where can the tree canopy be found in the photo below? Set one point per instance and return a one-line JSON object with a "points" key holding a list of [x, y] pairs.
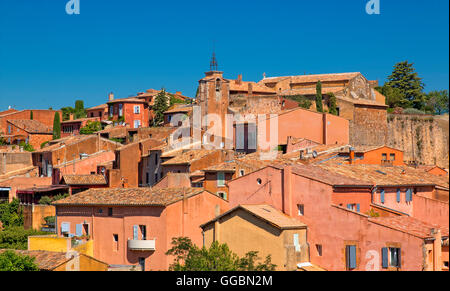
{"points": [[410, 86], [218, 257], [437, 102], [10, 261], [91, 127], [80, 112], [333, 105], [11, 213], [160, 107]]}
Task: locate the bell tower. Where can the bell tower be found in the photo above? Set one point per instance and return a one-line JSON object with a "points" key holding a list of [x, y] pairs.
{"points": [[213, 98]]}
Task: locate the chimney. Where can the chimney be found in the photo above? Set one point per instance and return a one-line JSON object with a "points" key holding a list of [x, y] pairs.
{"points": [[352, 155], [71, 116], [239, 79], [287, 190], [111, 96], [250, 89]]}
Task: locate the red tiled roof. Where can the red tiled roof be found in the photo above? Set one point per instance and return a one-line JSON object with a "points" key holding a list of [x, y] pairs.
{"points": [[129, 196], [31, 126], [267, 213], [409, 225], [312, 78], [386, 176], [45, 260], [84, 179], [188, 157]]}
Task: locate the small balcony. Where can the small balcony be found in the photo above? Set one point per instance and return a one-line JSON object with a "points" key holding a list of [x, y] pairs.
{"points": [[142, 245]]}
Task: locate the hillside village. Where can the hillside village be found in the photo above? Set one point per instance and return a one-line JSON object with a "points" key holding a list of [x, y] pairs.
{"points": [[349, 186]]}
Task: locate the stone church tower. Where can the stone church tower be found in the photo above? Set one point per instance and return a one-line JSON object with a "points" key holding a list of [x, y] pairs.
{"points": [[213, 98]]}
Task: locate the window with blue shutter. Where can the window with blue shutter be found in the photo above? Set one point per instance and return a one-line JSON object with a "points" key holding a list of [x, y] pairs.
{"points": [[65, 227], [358, 208], [220, 179], [384, 258], [79, 230], [135, 232], [351, 257], [398, 195], [408, 195], [349, 206], [382, 196]]}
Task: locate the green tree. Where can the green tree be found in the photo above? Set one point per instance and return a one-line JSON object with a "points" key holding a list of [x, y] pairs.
{"points": [[26, 146], [437, 102], [394, 96], [45, 200], [11, 214], [66, 111], [16, 237], [10, 261], [188, 257], [31, 114], [160, 107], [333, 105], [91, 127], [319, 99], [80, 112], [56, 127], [405, 78]]}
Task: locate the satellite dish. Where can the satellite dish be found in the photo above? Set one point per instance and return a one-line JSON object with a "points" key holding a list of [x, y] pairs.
{"points": [[314, 154]]}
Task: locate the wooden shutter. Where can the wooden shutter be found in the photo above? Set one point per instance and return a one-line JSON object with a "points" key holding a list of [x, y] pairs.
{"points": [[65, 227], [382, 196], [384, 258], [358, 207], [398, 195], [399, 257], [135, 232]]}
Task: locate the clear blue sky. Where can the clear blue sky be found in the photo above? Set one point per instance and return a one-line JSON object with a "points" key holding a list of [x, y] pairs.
{"points": [[49, 58]]}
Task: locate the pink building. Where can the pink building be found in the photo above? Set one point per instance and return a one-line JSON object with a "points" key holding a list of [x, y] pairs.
{"points": [[342, 238], [136, 226]]}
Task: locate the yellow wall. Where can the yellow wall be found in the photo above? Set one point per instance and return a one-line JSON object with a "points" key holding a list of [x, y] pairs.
{"points": [[257, 235], [48, 243], [58, 244], [85, 264]]}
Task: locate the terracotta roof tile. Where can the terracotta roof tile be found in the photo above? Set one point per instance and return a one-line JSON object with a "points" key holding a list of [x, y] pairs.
{"points": [[386, 176], [45, 260], [84, 179], [410, 225], [267, 213], [31, 126], [312, 78], [130, 196], [188, 157]]}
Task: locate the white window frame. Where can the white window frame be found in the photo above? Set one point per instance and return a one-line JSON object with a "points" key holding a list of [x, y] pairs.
{"points": [[138, 123], [137, 109]]}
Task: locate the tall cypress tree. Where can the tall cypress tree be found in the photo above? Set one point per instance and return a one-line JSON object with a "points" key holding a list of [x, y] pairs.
{"points": [[56, 126], [333, 106], [319, 99], [160, 107], [31, 114], [80, 112]]}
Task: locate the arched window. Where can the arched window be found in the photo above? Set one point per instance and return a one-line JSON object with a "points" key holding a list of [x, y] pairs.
{"points": [[218, 84]]}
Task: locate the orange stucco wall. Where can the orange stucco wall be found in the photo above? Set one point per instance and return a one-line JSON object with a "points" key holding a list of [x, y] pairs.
{"points": [[330, 226], [162, 223]]}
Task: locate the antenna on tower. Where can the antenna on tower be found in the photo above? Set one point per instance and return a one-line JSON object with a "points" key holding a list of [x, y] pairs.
{"points": [[213, 66]]}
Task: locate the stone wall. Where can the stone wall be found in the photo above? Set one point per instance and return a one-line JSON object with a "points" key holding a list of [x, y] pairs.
{"points": [[369, 126], [422, 138]]}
